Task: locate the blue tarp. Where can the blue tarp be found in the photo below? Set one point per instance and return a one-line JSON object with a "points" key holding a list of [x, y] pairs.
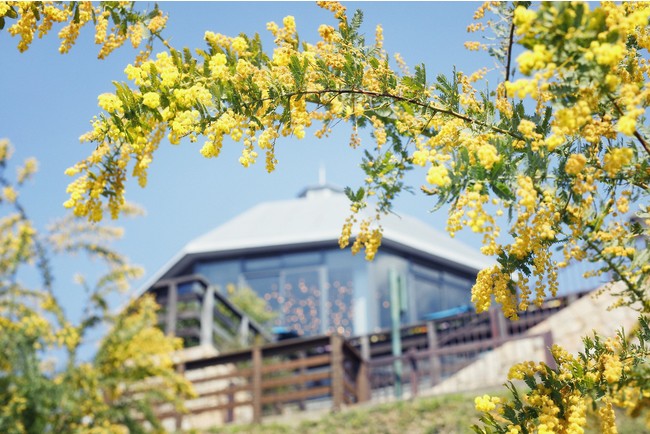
{"points": [[448, 312]]}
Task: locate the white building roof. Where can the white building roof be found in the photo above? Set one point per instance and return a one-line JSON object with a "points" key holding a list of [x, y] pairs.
{"points": [[316, 217]]}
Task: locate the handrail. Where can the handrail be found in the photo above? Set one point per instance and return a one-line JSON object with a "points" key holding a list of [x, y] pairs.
{"points": [[201, 280], [318, 367], [329, 367]]}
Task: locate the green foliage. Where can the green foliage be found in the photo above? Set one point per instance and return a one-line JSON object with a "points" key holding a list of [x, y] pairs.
{"points": [[252, 305]]}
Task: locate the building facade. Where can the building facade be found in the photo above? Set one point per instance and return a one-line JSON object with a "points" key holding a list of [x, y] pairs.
{"points": [[287, 252]]}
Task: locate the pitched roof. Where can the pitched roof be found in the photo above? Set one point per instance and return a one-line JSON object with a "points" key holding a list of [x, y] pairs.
{"points": [[316, 217]]}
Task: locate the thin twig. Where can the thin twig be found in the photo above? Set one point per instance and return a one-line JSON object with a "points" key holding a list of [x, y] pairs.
{"points": [[638, 292], [164, 42]]}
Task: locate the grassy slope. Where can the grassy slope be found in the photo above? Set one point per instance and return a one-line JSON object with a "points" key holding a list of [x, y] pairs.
{"points": [[441, 415]]}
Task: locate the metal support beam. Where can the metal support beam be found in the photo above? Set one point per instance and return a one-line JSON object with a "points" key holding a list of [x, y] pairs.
{"points": [[396, 337], [207, 316], [172, 309]]}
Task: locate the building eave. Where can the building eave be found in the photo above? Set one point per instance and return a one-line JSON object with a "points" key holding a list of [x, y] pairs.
{"points": [[184, 259], [314, 221]]}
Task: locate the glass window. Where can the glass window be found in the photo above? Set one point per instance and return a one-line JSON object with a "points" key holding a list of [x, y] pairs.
{"points": [[383, 304], [267, 263], [340, 301], [267, 286], [426, 290], [301, 301], [161, 296], [221, 274], [352, 294], [299, 259], [455, 280], [428, 296], [456, 290], [425, 272], [383, 263], [340, 258], [185, 289], [188, 306]]}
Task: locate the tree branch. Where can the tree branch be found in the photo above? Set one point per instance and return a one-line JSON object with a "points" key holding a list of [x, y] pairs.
{"points": [[637, 135], [642, 141], [415, 102], [511, 39]]}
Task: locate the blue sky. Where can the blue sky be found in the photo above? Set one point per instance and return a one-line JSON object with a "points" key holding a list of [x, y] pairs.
{"points": [[48, 99]]}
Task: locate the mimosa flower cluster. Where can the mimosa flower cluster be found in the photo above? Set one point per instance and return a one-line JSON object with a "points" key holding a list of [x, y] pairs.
{"points": [[560, 396], [126, 23]]}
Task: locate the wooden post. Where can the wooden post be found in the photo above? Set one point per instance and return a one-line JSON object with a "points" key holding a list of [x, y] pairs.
{"points": [[336, 342], [434, 361], [548, 343], [498, 323], [302, 386], [178, 422], [363, 382], [413, 364], [230, 412], [365, 347], [257, 384]]}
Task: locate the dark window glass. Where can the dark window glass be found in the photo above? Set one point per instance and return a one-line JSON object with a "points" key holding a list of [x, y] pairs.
{"points": [[161, 296]]}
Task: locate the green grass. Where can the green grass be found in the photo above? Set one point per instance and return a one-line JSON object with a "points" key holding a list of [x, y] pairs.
{"points": [[447, 414]]}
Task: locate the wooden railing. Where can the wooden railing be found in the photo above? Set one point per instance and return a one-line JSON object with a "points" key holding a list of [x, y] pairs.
{"points": [[427, 368], [199, 313], [459, 329], [329, 371], [265, 379], [437, 349]]}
